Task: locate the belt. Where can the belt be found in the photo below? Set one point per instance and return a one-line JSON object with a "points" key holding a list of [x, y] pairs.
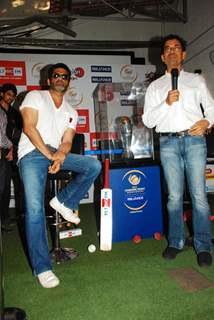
{"points": [[175, 134]]}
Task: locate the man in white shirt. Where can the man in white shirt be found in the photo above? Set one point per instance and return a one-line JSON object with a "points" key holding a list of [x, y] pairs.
{"points": [[177, 116], [49, 124]]}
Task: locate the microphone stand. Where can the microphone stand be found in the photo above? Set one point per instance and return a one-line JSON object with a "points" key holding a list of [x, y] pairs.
{"points": [[7, 313]]}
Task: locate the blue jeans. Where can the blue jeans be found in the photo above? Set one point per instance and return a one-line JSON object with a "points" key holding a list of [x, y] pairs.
{"points": [[33, 170], [178, 155]]}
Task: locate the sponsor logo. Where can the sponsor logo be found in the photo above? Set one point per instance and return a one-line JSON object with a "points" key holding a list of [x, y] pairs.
{"points": [[101, 79], [2, 71], [83, 120], [128, 73], [17, 72], [134, 179], [101, 69], [134, 182], [77, 72], [125, 102], [13, 71], [74, 96]]}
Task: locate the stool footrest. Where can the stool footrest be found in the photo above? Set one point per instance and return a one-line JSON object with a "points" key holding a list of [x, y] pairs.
{"points": [[70, 233]]}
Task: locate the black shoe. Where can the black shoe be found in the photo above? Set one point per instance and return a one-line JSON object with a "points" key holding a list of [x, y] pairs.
{"points": [[170, 253], [204, 259]]}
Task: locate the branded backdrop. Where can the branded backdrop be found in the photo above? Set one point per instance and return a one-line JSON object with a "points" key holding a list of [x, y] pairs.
{"points": [[24, 70]]}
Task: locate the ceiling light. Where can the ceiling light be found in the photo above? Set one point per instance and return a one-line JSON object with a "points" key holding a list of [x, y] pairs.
{"points": [[42, 5], [18, 3]]}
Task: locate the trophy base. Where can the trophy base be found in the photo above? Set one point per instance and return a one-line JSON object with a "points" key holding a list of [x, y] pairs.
{"points": [[127, 155]]}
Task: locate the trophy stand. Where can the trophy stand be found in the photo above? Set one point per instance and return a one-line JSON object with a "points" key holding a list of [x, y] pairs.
{"points": [[134, 173]]}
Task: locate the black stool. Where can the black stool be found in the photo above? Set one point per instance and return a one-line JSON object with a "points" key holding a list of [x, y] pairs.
{"points": [[55, 181]]}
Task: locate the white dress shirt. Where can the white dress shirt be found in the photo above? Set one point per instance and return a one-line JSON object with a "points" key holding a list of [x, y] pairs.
{"points": [[182, 114]]}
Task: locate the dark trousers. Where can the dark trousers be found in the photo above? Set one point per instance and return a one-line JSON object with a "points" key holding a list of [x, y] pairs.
{"points": [[9, 172], [12, 174]]}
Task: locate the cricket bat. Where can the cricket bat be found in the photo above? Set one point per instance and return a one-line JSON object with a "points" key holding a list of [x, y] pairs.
{"points": [[106, 213]]}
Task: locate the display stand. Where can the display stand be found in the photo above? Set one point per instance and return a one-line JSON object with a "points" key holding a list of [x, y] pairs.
{"points": [[137, 203]]}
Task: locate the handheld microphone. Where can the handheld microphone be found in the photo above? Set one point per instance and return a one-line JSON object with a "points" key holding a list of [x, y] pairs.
{"points": [[174, 74]]}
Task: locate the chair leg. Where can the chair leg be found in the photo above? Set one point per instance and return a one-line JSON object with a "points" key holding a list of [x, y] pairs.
{"points": [[57, 253]]}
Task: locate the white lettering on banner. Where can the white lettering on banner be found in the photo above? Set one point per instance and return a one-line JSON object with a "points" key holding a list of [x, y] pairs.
{"points": [[17, 72], [2, 71], [101, 79], [82, 120], [101, 69]]}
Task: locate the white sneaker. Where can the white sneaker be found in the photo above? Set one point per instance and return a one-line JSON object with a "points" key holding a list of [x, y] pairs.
{"points": [[65, 212], [48, 279]]}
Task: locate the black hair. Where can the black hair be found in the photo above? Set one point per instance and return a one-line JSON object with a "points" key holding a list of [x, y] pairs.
{"points": [[172, 37], [9, 87], [55, 66]]}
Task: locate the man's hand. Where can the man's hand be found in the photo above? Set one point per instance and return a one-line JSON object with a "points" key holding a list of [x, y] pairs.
{"points": [[58, 158], [59, 155], [199, 128], [173, 96], [54, 167]]}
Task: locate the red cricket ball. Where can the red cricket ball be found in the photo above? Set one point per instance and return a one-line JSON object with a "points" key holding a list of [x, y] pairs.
{"points": [[137, 238], [157, 236]]}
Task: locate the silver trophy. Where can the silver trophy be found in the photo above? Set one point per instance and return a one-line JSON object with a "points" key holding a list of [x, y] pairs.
{"points": [[125, 129]]}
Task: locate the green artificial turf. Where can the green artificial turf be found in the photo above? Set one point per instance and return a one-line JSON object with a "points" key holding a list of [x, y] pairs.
{"points": [[132, 282]]}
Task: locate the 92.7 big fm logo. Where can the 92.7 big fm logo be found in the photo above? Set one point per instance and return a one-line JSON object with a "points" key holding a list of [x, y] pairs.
{"points": [[77, 72], [13, 71]]}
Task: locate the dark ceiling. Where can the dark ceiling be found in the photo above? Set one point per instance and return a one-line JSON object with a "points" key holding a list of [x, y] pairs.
{"points": [[22, 22]]}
